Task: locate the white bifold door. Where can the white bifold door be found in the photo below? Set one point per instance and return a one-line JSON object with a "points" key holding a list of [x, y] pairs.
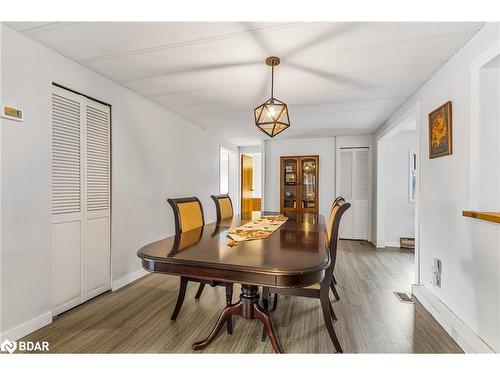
{"points": [[80, 199], [353, 183]]}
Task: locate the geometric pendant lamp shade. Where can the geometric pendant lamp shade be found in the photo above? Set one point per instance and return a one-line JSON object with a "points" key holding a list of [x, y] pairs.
{"points": [[272, 117]]}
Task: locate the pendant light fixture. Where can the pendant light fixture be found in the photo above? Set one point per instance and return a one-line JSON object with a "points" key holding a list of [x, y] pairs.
{"points": [[271, 117]]}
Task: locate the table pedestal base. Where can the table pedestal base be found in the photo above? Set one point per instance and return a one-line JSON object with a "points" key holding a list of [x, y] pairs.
{"points": [[248, 308]]}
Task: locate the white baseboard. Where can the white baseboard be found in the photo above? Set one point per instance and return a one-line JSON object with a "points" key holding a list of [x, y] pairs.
{"points": [[26, 328], [42, 320], [392, 244], [467, 339], [127, 279]]}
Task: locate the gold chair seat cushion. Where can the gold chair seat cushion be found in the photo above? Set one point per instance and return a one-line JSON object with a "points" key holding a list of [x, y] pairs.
{"points": [[226, 208], [190, 216], [314, 286]]}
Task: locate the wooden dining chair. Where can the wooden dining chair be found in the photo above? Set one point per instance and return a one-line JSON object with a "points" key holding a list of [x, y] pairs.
{"points": [[334, 282], [188, 215], [321, 290], [223, 206]]}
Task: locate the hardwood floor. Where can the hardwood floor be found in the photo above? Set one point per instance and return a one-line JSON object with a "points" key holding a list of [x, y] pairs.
{"points": [[136, 318]]}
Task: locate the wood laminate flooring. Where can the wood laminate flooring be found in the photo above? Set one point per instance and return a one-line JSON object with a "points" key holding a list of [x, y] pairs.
{"points": [[371, 319]]}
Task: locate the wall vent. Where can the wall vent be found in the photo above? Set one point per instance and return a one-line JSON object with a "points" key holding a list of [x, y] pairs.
{"points": [[403, 297]]}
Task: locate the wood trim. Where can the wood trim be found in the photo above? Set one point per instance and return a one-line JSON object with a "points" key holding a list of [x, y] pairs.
{"points": [[241, 177], [203, 273], [493, 217]]}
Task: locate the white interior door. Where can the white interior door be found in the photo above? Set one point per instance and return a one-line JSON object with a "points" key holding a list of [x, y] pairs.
{"points": [[97, 203], [80, 199], [345, 189], [353, 183], [361, 208]]}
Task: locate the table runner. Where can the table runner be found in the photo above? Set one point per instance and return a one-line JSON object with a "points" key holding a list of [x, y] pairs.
{"points": [[258, 229]]}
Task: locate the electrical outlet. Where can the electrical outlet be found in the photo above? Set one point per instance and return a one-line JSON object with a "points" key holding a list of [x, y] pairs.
{"points": [[436, 266], [436, 280]]}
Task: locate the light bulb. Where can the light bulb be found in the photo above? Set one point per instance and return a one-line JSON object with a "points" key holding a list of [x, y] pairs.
{"points": [[271, 112]]}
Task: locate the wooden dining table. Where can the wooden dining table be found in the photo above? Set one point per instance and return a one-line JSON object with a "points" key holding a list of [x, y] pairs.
{"points": [[294, 256]]}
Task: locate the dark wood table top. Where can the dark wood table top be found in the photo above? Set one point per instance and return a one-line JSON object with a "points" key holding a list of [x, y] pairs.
{"points": [[295, 255]]}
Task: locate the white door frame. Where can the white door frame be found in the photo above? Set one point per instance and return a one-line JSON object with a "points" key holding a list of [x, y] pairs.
{"points": [[413, 114]]}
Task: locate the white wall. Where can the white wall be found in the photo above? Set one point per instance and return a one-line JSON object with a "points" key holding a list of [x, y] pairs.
{"points": [[324, 147], [469, 249], [399, 211], [155, 155], [487, 194], [257, 175]]}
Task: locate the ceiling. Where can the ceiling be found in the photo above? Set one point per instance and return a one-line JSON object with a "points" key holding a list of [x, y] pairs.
{"points": [[337, 78]]}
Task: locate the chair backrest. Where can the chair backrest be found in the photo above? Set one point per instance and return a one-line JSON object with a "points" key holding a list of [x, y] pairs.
{"points": [[188, 213], [339, 207], [339, 198], [223, 206]]}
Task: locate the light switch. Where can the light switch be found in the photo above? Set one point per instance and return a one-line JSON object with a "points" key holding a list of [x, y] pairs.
{"points": [[436, 266]]}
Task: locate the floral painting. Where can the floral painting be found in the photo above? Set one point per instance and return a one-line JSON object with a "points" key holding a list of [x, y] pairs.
{"points": [[440, 141]]}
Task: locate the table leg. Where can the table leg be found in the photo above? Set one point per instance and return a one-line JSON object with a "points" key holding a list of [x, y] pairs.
{"points": [[248, 308]]}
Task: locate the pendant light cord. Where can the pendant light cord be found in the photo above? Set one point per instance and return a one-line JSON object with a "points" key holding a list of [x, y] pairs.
{"points": [[272, 82]]}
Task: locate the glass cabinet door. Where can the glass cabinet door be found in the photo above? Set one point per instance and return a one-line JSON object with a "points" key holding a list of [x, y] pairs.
{"points": [[290, 177], [309, 183]]}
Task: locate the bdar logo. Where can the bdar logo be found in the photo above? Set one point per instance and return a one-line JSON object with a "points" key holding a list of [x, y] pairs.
{"points": [[8, 346]]}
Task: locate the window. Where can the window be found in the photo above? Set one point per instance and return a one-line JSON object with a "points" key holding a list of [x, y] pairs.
{"points": [[412, 191], [224, 171]]}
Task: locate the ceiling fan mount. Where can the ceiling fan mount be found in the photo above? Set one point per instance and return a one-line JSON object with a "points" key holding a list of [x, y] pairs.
{"points": [[273, 61]]}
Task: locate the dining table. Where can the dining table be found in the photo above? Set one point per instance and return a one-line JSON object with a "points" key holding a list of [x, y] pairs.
{"points": [[293, 256]]}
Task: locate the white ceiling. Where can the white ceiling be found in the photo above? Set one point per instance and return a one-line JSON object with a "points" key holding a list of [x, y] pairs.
{"points": [[337, 78]]}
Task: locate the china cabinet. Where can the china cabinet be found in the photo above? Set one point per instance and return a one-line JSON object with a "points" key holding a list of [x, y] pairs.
{"points": [[299, 183]]}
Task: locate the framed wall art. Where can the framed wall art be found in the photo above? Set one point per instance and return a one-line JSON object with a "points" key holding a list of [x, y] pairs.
{"points": [[440, 134]]}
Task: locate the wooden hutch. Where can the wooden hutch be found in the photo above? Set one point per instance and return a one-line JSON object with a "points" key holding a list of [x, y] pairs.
{"points": [[299, 183]]}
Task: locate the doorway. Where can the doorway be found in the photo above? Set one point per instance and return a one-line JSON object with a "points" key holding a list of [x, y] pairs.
{"points": [[251, 181], [397, 188]]}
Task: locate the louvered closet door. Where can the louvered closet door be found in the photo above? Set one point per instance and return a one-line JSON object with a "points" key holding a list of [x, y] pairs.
{"points": [[67, 176], [345, 182], [97, 198], [360, 207], [353, 183], [80, 199]]}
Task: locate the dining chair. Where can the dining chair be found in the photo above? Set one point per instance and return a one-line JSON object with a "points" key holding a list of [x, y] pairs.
{"points": [[188, 216], [320, 290], [334, 281], [223, 206]]}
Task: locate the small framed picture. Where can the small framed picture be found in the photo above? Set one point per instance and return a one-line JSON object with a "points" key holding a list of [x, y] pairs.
{"points": [[440, 135], [290, 178]]}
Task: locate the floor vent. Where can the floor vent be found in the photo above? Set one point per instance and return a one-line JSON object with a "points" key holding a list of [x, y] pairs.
{"points": [[403, 297]]}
